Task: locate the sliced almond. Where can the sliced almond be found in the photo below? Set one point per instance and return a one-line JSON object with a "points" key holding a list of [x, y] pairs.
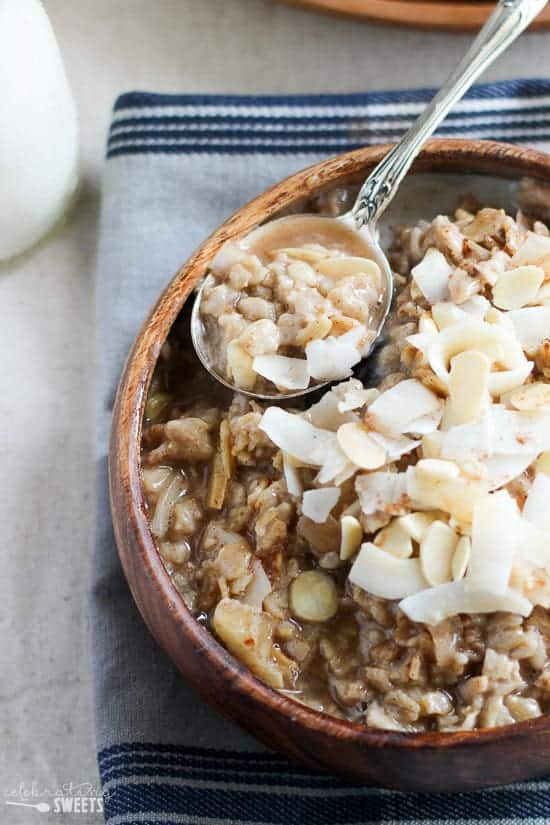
{"points": [[317, 504], [468, 388], [531, 396], [435, 469], [360, 447], [348, 265], [384, 575], [461, 558], [395, 539], [351, 537], [416, 524], [456, 496], [436, 552], [516, 287], [534, 250], [445, 314], [239, 366]]}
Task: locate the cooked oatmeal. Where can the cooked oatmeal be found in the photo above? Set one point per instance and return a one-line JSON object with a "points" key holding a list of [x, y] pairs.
{"points": [[384, 555], [297, 306]]}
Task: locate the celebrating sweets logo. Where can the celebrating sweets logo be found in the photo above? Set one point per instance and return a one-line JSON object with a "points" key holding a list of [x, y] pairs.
{"points": [[70, 797]]}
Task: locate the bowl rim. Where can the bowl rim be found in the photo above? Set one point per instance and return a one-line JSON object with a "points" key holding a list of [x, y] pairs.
{"points": [[127, 502]]}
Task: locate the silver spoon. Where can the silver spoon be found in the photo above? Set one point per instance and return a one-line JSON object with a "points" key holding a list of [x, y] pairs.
{"points": [[509, 19], [41, 807]]}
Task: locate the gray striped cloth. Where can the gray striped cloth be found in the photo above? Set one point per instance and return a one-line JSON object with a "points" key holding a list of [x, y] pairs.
{"points": [[177, 166]]}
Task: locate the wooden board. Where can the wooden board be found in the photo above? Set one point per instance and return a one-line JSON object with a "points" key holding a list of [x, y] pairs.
{"points": [[428, 14]]}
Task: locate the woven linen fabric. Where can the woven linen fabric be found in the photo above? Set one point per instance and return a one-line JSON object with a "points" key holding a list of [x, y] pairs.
{"points": [[177, 166]]}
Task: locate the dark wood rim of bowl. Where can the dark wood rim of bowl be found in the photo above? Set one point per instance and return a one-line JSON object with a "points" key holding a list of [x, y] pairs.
{"points": [[129, 516]]}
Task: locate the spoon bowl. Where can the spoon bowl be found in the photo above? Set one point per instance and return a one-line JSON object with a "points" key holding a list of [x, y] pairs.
{"points": [[295, 230]]}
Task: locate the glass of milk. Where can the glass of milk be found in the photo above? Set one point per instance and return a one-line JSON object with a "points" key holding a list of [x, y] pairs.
{"points": [[38, 128]]}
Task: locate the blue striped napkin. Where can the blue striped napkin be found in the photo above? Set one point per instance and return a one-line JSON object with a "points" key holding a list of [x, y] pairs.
{"points": [[177, 166]]}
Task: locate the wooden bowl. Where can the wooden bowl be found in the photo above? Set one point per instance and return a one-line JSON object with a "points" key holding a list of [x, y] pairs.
{"points": [[428, 762]]}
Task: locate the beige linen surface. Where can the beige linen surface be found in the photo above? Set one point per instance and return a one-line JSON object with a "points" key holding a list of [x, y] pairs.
{"points": [[46, 334]]}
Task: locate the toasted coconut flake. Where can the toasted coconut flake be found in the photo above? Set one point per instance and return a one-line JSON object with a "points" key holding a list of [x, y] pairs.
{"points": [[468, 388], [297, 437], [359, 447], [426, 424], [317, 504], [537, 504], [445, 314], [288, 373], [436, 552], [495, 526], [477, 306], [461, 558], [516, 287], [395, 447], [398, 409], [502, 469], [259, 587], [346, 265], [325, 413], [466, 442], [336, 466], [432, 275], [395, 539], [493, 340], [534, 250], [533, 396], [383, 575], [520, 431], [531, 325], [416, 524], [330, 359], [456, 496], [292, 476], [382, 492], [351, 536], [354, 399], [436, 604]]}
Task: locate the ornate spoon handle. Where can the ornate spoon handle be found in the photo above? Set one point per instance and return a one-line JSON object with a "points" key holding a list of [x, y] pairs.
{"points": [[508, 20]]}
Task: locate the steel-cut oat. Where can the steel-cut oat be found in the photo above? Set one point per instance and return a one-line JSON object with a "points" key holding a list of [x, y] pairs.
{"points": [[384, 555]]}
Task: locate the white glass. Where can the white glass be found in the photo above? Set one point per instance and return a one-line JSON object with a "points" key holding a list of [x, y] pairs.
{"points": [[38, 128]]}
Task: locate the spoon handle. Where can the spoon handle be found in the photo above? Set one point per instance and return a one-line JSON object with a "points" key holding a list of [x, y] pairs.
{"points": [[508, 20]]}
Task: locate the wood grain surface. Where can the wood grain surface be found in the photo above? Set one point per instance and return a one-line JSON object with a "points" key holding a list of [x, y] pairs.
{"points": [[452, 15], [429, 762]]}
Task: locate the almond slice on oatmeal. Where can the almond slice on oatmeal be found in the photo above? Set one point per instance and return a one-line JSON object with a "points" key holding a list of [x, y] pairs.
{"points": [[461, 558], [351, 534], [437, 548], [383, 575], [360, 447], [516, 287], [288, 373], [533, 396], [416, 524], [395, 539], [432, 275], [317, 504], [342, 266], [495, 526], [535, 250], [436, 604], [468, 388], [456, 495]]}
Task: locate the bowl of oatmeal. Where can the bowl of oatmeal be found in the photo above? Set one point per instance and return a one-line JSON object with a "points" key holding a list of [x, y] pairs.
{"points": [[362, 579]]}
